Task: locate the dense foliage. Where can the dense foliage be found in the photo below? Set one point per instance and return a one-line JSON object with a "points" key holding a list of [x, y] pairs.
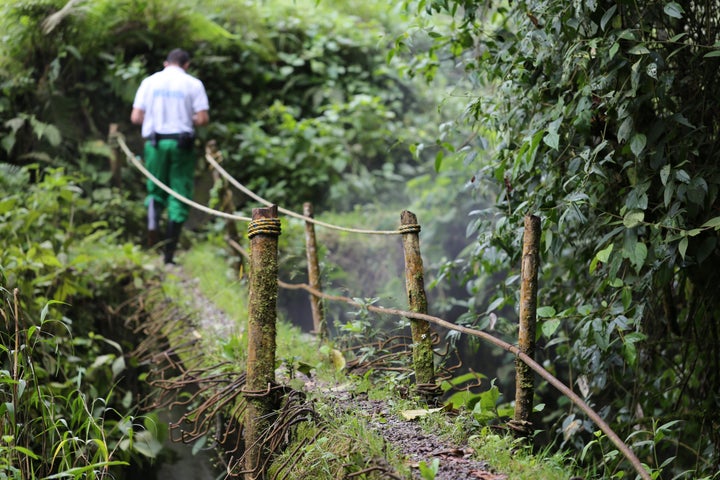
{"points": [[304, 108], [67, 384], [604, 123]]}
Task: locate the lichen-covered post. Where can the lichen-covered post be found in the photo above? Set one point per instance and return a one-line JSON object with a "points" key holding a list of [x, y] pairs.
{"points": [[313, 266], [524, 380], [415, 285], [115, 165], [262, 312]]}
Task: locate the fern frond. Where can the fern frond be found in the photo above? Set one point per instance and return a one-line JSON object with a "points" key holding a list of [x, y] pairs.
{"points": [[12, 176]]}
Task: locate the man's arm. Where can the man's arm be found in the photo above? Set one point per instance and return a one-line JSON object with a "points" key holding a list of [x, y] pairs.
{"points": [[201, 118], [137, 116]]}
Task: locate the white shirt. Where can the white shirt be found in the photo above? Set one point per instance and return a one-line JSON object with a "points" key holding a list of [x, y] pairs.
{"points": [[169, 99]]}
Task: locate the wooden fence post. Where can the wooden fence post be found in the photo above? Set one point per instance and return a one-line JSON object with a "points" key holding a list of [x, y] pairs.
{"points": [[415, 285], [524, 380], [115, 165], [262, 312], [318, 313]]}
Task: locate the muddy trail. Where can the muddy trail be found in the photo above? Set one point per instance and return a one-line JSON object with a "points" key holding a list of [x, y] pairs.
{"points": [[455, 461]]}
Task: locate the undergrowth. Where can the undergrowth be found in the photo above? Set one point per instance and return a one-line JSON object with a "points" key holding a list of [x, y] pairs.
{"points": [[67, 383]]}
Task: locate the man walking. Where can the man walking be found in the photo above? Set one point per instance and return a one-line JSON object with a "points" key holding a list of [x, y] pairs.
{"points": [[168, 105]]}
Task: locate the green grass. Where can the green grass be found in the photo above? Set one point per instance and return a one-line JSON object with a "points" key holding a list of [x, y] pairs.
{"points": [[345, 444], [517, 461], [216, 281], [206, 262]]}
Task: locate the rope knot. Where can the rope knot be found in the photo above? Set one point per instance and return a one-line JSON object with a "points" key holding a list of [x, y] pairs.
{"points": [[264, 226], [409, 228]]}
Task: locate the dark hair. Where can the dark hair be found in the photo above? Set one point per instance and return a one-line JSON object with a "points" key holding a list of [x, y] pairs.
{"points": [[178, 56]]}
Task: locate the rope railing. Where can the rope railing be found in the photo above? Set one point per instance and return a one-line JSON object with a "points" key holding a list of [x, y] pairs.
{"points": [[211, 160], [214, 163], [134, 160]]}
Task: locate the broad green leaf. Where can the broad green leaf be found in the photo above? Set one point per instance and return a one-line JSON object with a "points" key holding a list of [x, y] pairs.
{"points": [[665, 174], [428, 471], [15, 123], [146, 444], [439, 156], [714, 53], [50, 260], [625, 129], [613, 50], [637, 143], [604, 254], [682, 247], [489, 399], [712, 223], [682, 120], [548, 240], [607, 16], [682, 176], [638, 255], [676, 38], [7, 205], [673, 10], [549, 327], [633, 218], [552, 140], [634, 337], [639, 50], [8, 142], [630, 353], [52, 134], [668, 194], [638, 198], [545, 312], [601, 256], [118, 366]]}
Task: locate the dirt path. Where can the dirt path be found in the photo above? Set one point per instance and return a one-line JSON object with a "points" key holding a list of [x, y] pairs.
{"points": [[455, 461]]}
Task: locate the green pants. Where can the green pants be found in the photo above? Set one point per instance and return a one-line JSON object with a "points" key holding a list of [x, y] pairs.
{"points": [[176, 169]]}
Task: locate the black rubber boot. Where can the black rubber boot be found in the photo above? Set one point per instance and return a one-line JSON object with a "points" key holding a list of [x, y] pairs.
{"points": [[173, 236], [153, 238], [153, 224]]}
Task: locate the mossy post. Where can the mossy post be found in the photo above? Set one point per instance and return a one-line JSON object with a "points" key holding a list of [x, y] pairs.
{"points": [[524, 380], [262, 312], [415, 285], [115, 165], [313, 266]]}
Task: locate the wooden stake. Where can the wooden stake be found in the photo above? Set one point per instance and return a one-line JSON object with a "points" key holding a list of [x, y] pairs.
{"points": [[263, 232], [313, 266], [524, 380], [415, 285], [115, 165]]}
